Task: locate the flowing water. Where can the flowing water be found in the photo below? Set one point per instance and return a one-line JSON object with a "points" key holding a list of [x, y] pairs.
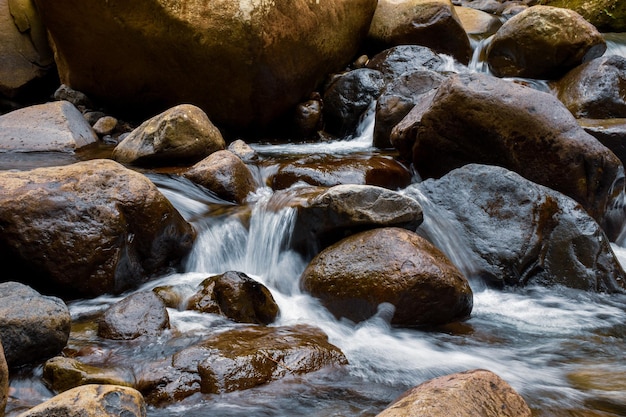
{"points": [[563, 350]]}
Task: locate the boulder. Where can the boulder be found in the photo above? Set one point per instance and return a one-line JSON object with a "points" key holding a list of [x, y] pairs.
{"points": [[395, 61], [140, 314], [398, 98], [549, 239], [328, 170], [179, 135], [92, 401], [465, 394], [51, 127], [240, 359], [595, 89], [244, 63], [543, 42], [33, 327], [348, 97], [606, 15], [4, 381], [88, 228], [24, 51], [225, 174], [431, 23], [325, 216], [610, 132], [243, 150], [476, 22], [236, 296], [105, 125], [527, 131], [61, 373], [389, 265]]}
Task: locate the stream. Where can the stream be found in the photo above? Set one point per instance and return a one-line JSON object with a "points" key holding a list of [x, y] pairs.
{"points": [[563, 350]]}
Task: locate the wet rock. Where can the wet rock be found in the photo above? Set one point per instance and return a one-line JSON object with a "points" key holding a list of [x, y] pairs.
{"points": [[466, 394], [88, 228], [348, 97], [243, 150], [543, 42], [170, 296], [244, 63], [24, 51], [236, 296], [326, 170], [431, 23], [140, 314], [388, 265], [240, 359], [610, 132], [61, 374], [308, 118], [325, 216], [92, 401], [105, 125], [51, 127], [527, 131], [225, 174], [606, 15], [477, 22], [397, 60], [4, 381], [398, 98], [179, 135], [596, 89], [550, 239], [32, 326]]}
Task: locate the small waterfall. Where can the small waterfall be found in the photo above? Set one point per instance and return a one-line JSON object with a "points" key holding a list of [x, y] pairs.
{"points": [[615, 44], [478, 62]]}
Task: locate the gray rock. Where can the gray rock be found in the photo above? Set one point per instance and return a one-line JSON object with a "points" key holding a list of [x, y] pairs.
{"points": [[140, 314]]}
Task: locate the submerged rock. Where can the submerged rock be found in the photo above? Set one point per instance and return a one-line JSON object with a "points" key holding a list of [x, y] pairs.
{"points": [[52, 127], [543, 42], [475, 118], [225, 174], [431, 23], [179, 135], [239, 359], [243, 62], [62, 374], [140, 314], [388, 265], [466, 394], [33, 327], [595, 89], [92, 401], [88, 228], [549, 239], [236, 296]]}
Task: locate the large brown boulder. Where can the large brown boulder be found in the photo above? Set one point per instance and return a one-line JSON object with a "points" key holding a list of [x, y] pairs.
{"points": [[140, 314], [88, 228], [328, 171], [179, 135], [595, 89], [475, 118], [33, 327], [225, 174], [431, 23], [51, 127], [243, 62], [606, 15], [92, 401], [325, 216], [24, 50], [466, 394], [236, 296], [512, 232], [543, 42], [239, 359], [388, 265]]}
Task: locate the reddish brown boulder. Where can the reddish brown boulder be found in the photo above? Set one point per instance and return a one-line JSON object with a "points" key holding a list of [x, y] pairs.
{"points": [[389, 265]]}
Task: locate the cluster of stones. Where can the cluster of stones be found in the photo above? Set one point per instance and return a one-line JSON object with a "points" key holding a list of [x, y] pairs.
{"points": [[82, 229]]}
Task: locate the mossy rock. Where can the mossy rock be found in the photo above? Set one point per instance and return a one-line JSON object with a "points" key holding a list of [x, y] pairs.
{"points": [[606, 15]]}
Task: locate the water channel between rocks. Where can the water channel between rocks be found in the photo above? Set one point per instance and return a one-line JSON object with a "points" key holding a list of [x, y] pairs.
{"points": [[561, 349]]}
